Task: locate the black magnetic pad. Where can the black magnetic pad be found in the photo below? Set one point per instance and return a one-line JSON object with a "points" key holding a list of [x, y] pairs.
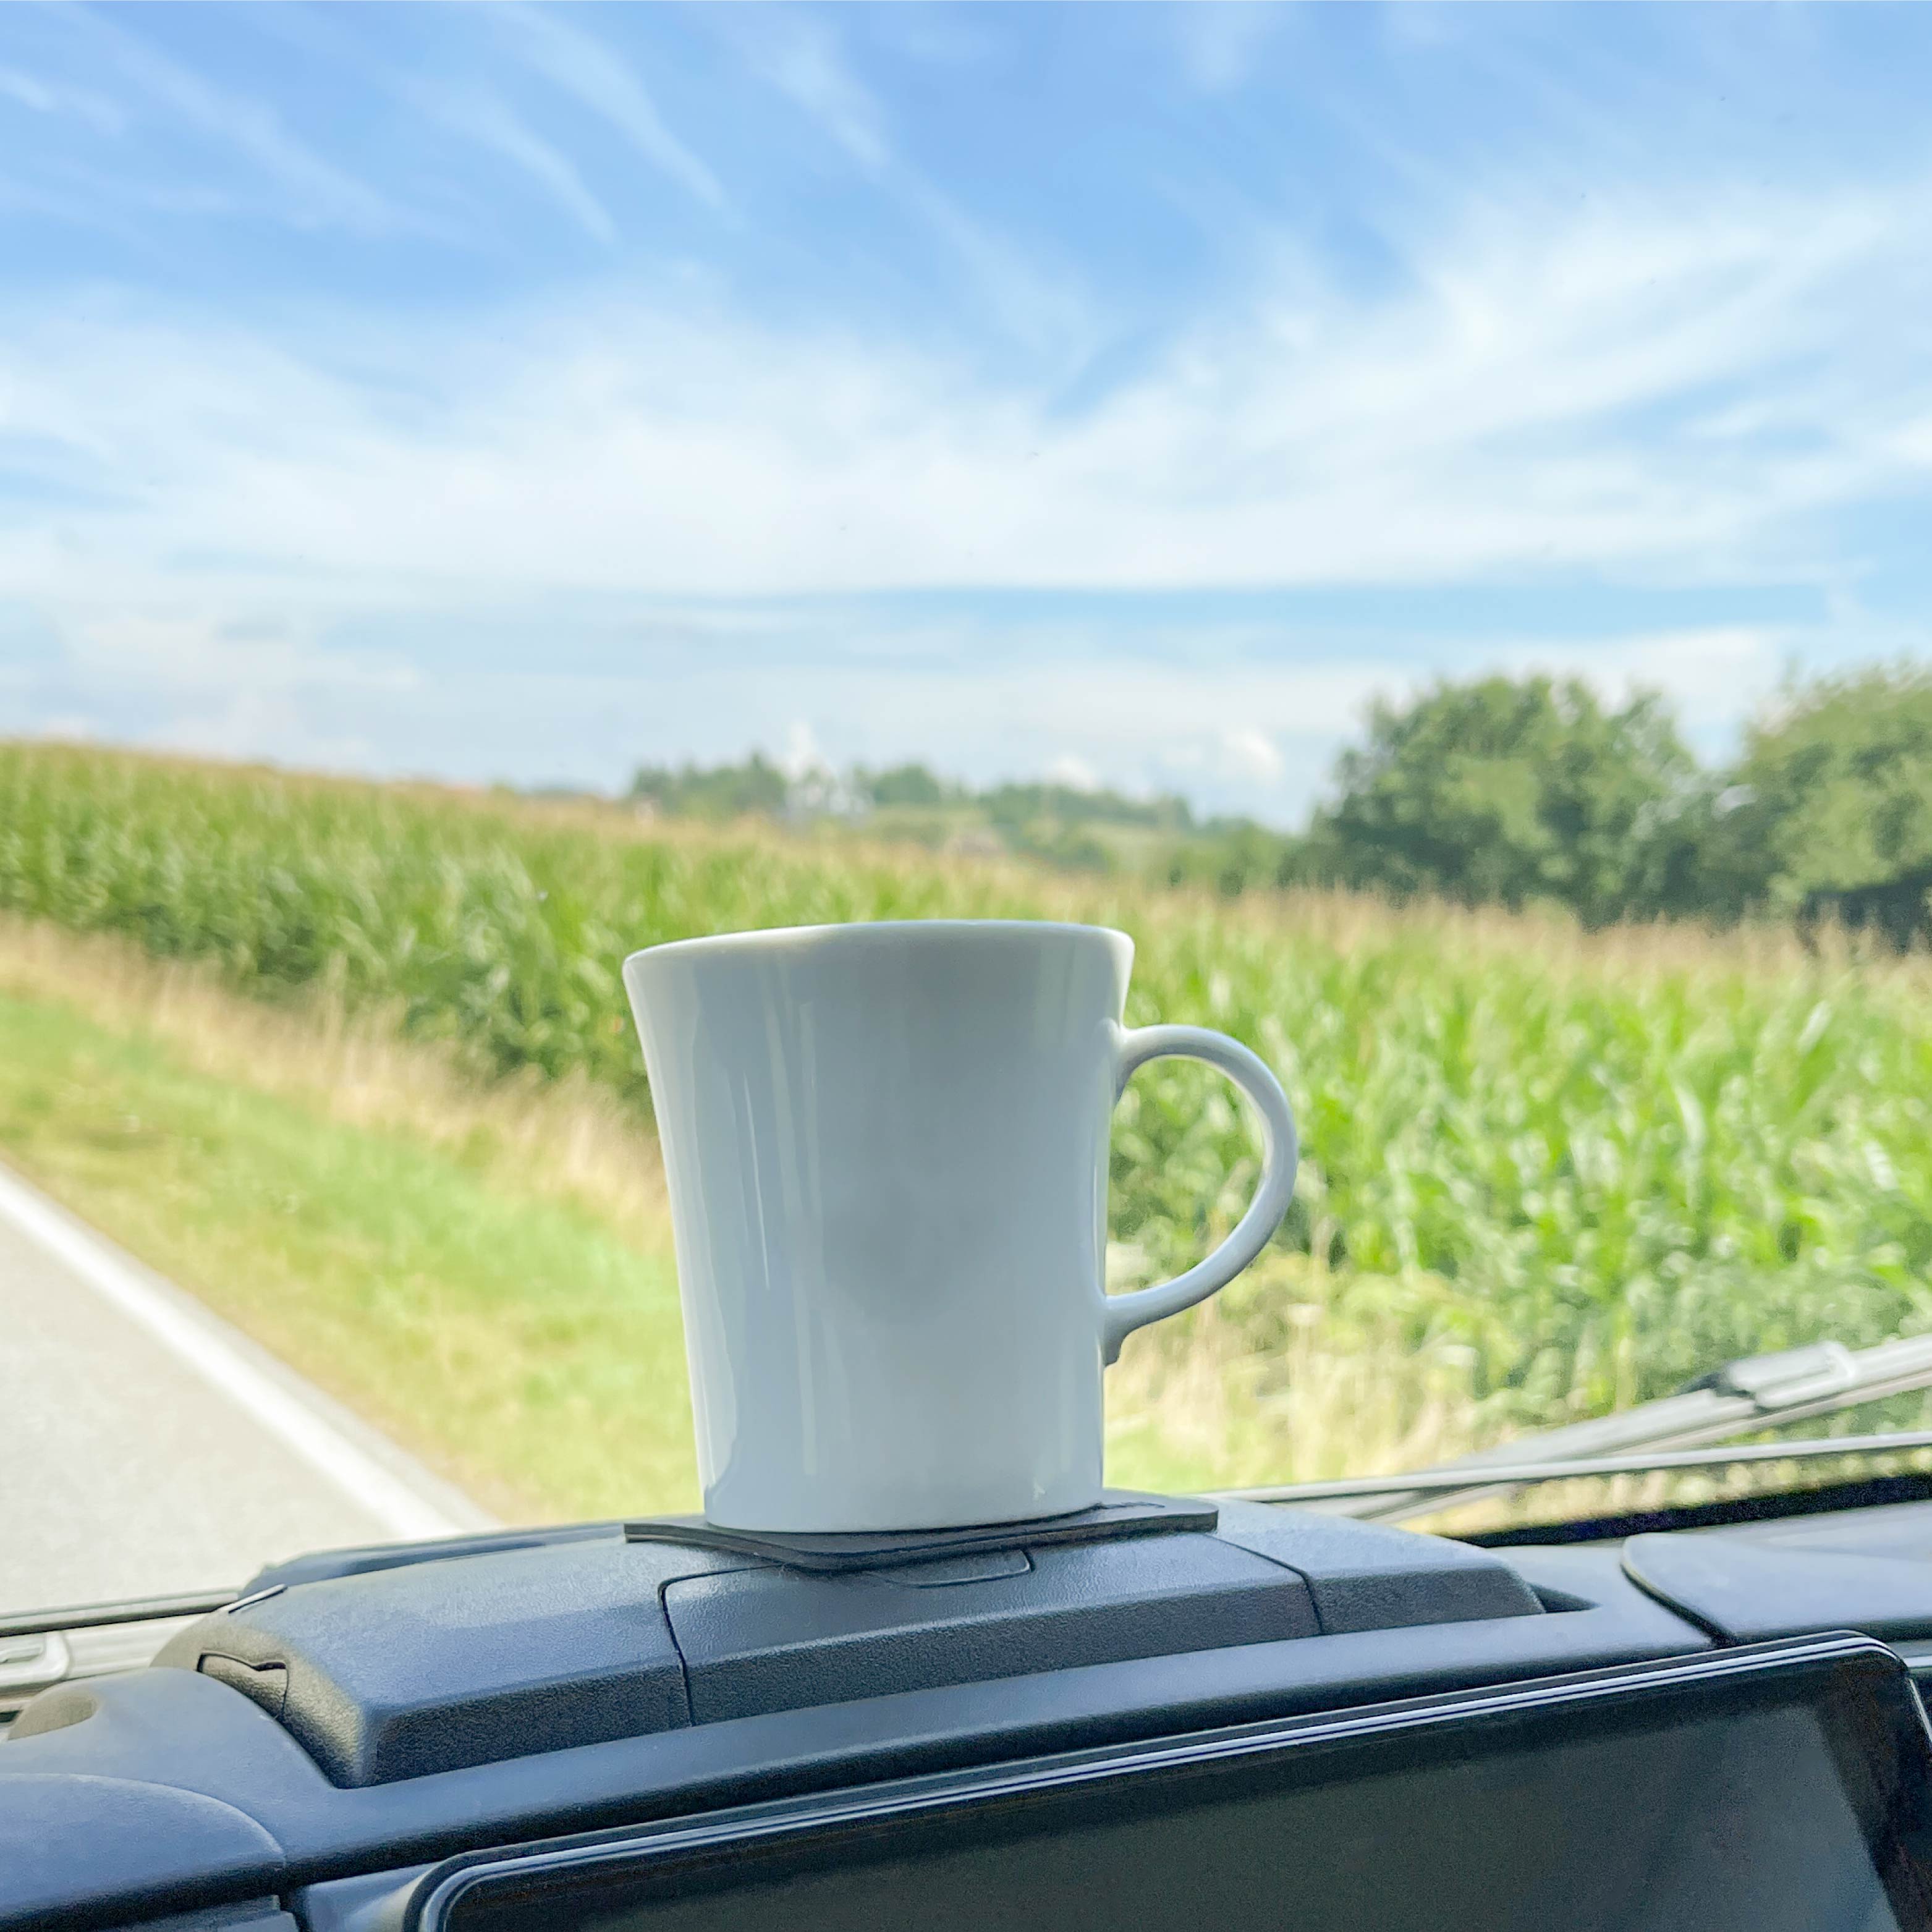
{"points": [[1123, 1513]]}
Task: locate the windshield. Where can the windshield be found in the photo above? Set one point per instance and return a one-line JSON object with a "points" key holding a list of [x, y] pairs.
{"points": [[1413, 516]]}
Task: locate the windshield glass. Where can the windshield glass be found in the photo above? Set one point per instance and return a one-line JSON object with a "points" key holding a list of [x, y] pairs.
{"points": [[1414, 516]]}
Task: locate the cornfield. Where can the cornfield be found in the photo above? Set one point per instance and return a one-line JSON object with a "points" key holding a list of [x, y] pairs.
{"points": [[1583, 1167]]}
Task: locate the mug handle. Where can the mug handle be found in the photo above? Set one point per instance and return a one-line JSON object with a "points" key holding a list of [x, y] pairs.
{"points": [[1124, 1313]]}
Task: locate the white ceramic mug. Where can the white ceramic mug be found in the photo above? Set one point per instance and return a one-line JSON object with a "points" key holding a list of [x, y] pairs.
{"points": [[887, 1151]]}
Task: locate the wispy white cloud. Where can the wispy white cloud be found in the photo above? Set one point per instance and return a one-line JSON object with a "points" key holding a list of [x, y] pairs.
{"points": [[1220, 39], [51, 97], [585, 67], [313, 191], [1070, 770], [198, 680], [798, 54], [194, 653], [485, 119], [1252, 754], [1562, 399]]}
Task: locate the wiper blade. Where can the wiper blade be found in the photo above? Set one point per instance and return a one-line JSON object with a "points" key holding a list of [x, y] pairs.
{"points": [[1641, 1462], [138, 1610], [1754, 1392]]}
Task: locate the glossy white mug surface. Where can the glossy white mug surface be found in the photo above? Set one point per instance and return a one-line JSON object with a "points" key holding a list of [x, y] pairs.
{"points": [[887, 1147]]}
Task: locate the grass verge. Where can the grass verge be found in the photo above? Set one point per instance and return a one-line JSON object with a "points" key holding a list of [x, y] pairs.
{"points": [[522, 1343]]}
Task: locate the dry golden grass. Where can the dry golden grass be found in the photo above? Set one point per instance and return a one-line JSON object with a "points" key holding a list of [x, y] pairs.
{"points": [[1195, 1402], [567, 1139]]}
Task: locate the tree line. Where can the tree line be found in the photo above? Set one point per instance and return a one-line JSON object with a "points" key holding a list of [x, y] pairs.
{"points": [[1509, 791]]}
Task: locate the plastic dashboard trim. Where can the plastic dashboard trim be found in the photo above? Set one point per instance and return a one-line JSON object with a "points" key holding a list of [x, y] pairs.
{"points": [[178, 1730], [424, 1904]]}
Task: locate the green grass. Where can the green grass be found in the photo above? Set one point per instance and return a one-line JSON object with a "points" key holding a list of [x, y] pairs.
{"points": [[516, 1343], [1593, 1167]]}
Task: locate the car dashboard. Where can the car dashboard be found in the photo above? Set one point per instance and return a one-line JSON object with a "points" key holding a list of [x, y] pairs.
{"points": [[333, 1749]]}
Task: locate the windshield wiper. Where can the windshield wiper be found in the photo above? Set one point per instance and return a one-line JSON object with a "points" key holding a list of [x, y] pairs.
{"points": [[137, 1610], [1446, 1484], [1754, 1393]]}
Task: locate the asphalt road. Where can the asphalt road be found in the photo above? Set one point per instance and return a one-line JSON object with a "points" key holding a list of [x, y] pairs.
{"points": [[146, 1449]]}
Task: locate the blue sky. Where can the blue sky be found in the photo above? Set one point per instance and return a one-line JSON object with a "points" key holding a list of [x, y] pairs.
{"points": [[495, 392]]}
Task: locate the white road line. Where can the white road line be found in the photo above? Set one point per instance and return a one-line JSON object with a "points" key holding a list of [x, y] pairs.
{"points": [[197, 1341]]}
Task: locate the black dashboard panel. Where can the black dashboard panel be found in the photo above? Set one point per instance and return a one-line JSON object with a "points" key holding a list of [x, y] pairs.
{"points": [[384, 1676], [457, 1656], [1867, 1569], [432, 1666], [1785, 1786], [754, 1640], [66, 1842], [367, 1713]]}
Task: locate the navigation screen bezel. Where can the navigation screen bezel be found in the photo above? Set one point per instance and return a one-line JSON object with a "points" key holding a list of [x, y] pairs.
{"points": [[1859, 1691]]}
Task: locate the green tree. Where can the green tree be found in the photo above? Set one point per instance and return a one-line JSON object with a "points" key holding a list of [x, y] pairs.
{"points": [[1833, 791], [902, 785], [1510, 790], [1012, 807], [724, 791]]}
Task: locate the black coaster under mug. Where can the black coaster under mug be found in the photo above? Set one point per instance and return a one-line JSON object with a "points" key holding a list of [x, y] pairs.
{"points": [[1121, 1513]]}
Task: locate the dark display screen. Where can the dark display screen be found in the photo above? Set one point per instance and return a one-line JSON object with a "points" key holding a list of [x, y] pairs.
{"points": [[1746, 1805]]}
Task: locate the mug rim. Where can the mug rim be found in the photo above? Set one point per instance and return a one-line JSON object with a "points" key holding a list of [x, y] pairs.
{"points": [[855, 931]]}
